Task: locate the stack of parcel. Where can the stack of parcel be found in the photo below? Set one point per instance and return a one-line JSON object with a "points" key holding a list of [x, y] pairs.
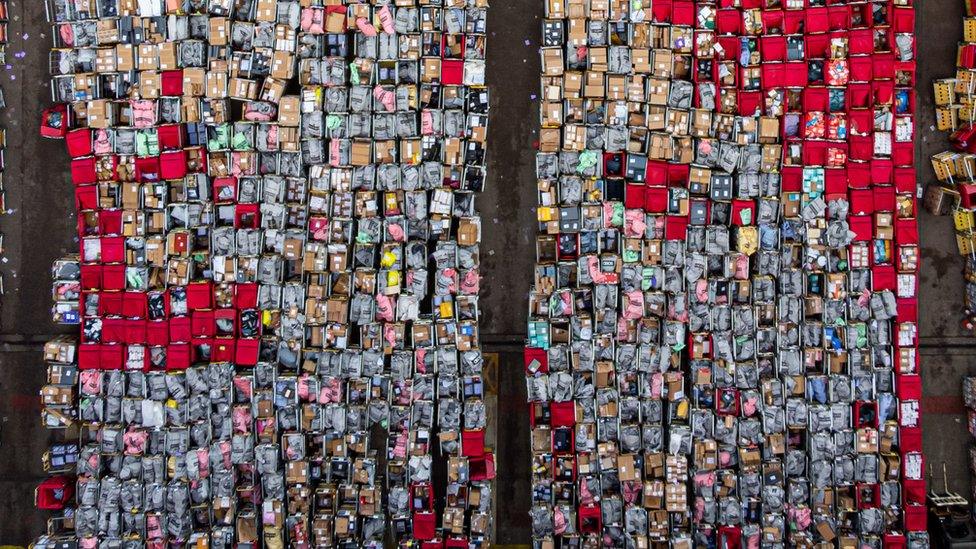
{"points": [[955, 170], [59, 414], [279, 271], [722, 335]]}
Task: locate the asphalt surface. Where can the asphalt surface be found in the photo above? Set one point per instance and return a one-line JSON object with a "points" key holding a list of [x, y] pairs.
{"points": [[38, 226]]}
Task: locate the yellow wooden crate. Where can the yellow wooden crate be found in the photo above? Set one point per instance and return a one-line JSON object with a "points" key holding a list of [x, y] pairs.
{"points": [[944, 92], [966, 112], [943, 165], [969, 29], [965, 243], [946, 118], [964, 166], [962, 219], [964, 82]]}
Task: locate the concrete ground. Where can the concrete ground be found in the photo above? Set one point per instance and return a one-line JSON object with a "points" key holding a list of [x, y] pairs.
{"points": [[38, 227]]}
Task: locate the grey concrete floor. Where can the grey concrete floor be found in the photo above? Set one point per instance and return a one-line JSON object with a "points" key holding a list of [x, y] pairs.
{"points": [[948, 351], [39, 227]]}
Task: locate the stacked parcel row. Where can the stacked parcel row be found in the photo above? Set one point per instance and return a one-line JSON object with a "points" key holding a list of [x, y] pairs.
{"points": [[278, 274], [722, 334]]}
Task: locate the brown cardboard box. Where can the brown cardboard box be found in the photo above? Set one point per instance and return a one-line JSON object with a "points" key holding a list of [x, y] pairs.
{"points": [[150, 85], [684, 150], [552, 61], [410, 150], [826, 531], [469, 231], [574, 137], [431, 69], [678, 122], [701, 123], [626, 468], [155, 251], [289, 139], [267, 10], [771, 157], [191, 109], [133, 223], [178, 243], [453, 151], [663, 63], [335, 22], [168, 56], [289, 111], [617, 87], [128, 7], [656, 117], [153, 29], [791, 204], [125, 57], [604, 373], [194, 80], [105, 61], [131, 195], [636, 92], [217, 83], [576, 31], [598, 59], [867, 440], [296, 472], [338, 310], [247, 526], [594, 85], [706, 455], [282, 65], [219, 31], [658, 90], [556, 9], [887, 437], [541, 439], [768, 129], [292, 249], [653, 494], [60, 349], [654, 465], [884, 225], [272, 90], [676, 498], [661, 147], [101, 113], [106, 31], [54, 395], [243, 89], [750, 457], [890, 466], [641, 60]]}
